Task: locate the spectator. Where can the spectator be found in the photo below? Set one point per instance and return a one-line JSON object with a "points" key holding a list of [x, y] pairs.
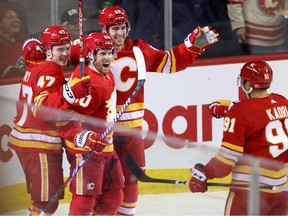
{"points": [[21, 12], [11, 40], [70, 20], [257, 27]]}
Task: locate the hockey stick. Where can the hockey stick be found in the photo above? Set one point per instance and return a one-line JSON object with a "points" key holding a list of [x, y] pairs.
{"points": [[140, 82], [81, 57], [141, 176]]}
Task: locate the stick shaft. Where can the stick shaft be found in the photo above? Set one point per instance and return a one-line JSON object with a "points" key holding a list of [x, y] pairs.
{"points": [[141, 176], [81, 60]]}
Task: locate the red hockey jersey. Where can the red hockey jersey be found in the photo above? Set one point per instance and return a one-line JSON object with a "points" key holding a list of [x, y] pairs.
{"points": [[100, 105], [257, 127], [263, 26], [124, 68], [159, 61], [28, 131]]}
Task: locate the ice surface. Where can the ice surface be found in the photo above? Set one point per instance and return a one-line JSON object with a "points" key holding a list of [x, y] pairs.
{"points": [[209, 203]]}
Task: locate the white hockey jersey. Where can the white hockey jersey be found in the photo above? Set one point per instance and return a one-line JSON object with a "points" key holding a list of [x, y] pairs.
{"points": [[263, 26]]}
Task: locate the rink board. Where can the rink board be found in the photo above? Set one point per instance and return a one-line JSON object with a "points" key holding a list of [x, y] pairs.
{"points": [[166, 98]]}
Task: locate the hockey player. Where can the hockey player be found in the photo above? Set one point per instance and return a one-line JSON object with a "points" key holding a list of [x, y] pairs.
{"points": [[256, 126], [37, 143], [115, 22], [100, 181]]}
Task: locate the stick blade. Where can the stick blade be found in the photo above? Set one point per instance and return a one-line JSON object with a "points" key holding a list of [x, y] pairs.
{"points": [[141, 176], [141, 65]]}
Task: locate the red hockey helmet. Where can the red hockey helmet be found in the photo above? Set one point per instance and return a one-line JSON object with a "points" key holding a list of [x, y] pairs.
{"points": [[258, 73], [32, 50], [114, 15], [55, 35], [97, 40]]}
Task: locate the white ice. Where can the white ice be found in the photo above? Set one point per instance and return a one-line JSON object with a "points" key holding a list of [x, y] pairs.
{"points": [[209, 203]]}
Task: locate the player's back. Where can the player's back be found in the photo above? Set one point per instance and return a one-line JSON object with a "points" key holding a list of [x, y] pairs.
{"points": [[28, 131], [44, 77], [260, 126], [270, 127]]}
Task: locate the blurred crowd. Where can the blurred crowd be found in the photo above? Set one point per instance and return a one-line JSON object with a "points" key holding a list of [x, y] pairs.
{"points": [[146, 21]]}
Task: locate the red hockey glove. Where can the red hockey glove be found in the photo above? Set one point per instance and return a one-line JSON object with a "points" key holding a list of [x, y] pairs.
{"points": [[76, 88], [91, 141], [219, 108], [198, 181], [32, 51], [201, 38]]}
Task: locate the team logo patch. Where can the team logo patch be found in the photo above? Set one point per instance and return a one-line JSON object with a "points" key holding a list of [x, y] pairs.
{"points": [[270, 6], [90, 186]]}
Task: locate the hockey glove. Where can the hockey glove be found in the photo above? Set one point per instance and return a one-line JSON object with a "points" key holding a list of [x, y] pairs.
{"points": [[32, 51], [91, 141], [198, 181], [219, 108], [76, 88], [201, 38]]}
